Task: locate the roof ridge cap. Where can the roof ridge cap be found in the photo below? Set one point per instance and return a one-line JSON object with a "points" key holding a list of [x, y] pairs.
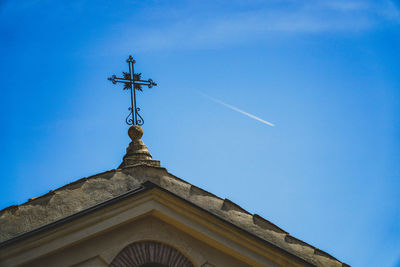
{"points": [[229, 205]]}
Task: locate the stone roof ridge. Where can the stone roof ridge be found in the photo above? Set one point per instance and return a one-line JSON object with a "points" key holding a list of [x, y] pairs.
{"points": [[78, 183], [320, 252], [229, 205], [194, 190], [293, 240], [266, 224], [70, 186], [114, 182], [324, 258]]}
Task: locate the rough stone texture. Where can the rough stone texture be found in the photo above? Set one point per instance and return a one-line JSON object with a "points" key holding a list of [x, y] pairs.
{"points": [[137, 152], [87, 192]]}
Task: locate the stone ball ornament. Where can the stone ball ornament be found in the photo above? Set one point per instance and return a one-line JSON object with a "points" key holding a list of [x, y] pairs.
{"points": [[135, 132]]}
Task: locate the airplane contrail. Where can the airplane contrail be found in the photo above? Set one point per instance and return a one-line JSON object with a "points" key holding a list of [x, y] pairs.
{"points": [[238, 110]]}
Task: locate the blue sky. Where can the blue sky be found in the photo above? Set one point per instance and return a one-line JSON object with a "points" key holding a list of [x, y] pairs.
{"points": [[325, 73]]}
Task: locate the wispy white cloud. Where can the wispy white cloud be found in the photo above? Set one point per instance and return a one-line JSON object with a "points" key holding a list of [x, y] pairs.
{"points": [[238, 110], [343, 5], [258, 20]]}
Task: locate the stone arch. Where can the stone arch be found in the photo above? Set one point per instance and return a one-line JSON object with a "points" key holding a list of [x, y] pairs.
{"points": [[150, 253]]}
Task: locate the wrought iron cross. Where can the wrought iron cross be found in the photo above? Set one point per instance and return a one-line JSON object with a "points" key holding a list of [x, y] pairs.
{"points": [[132, 81]]}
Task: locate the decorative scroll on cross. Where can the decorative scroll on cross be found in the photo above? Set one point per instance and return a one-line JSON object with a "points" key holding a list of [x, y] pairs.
{"points": [[132, 81]]}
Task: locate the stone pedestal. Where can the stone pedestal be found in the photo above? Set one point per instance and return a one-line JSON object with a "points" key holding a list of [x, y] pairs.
{"points": [[137, 152]]}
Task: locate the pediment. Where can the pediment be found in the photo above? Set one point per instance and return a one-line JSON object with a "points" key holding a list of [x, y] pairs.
{"points": [[94, 206], [148, 213]]}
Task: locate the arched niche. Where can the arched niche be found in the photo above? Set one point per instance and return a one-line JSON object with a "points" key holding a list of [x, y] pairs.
{"points": [[150, 254]]}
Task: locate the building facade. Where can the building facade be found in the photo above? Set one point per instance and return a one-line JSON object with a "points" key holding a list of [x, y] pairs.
{"points": [[141, 215]]}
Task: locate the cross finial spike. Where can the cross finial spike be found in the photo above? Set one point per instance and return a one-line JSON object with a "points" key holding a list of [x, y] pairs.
{"points": [[133, 81], [130, 59]]}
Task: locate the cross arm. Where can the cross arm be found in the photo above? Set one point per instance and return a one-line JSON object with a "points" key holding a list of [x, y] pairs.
{"points": [[114, 79], [149, 83]]}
